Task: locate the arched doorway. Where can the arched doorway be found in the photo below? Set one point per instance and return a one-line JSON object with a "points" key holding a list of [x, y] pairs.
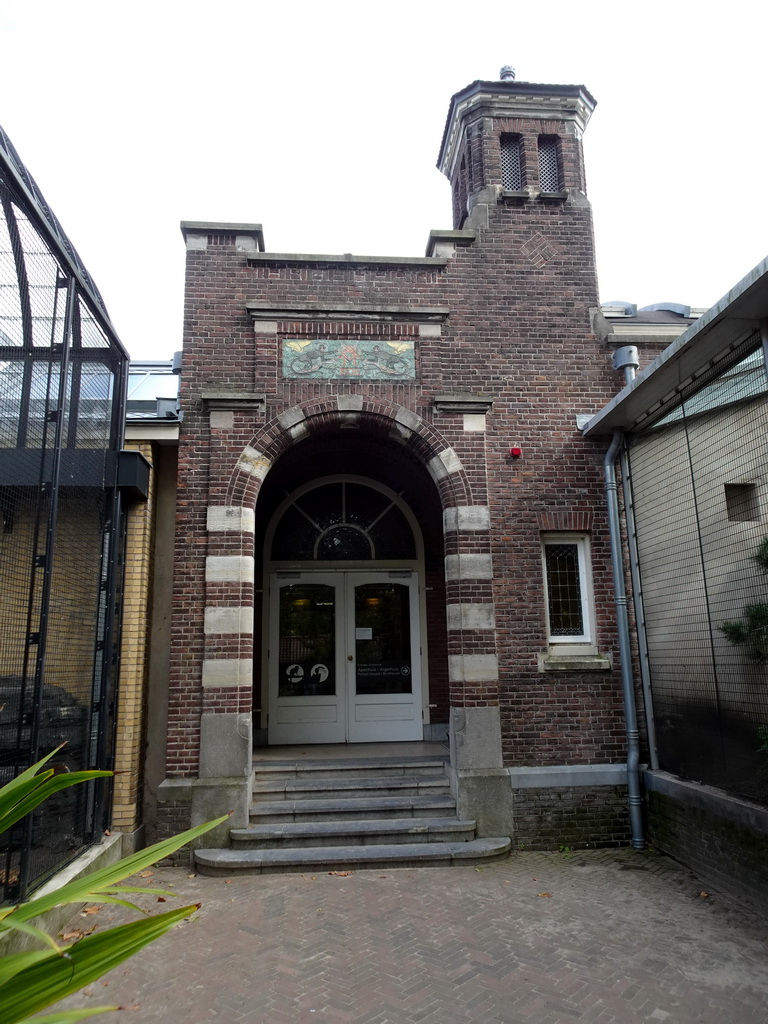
{"points": [[344, 637]]}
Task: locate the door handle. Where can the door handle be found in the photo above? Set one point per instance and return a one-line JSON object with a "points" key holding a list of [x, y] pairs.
{"points": [[350, 658]]}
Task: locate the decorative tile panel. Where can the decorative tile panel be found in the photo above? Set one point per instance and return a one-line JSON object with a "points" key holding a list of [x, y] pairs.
{"points": [[339, 358]]}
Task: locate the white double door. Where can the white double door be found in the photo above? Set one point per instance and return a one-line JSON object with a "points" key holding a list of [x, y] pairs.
{"points": [[344, 657]]}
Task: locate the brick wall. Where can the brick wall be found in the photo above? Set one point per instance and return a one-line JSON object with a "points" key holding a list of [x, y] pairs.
{"points": [[134, 656], [578, 817], [74, 586], [518, 333], [506, 317], [723, 839]]}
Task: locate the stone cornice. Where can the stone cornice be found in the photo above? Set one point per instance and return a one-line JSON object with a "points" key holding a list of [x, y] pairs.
{"points": [[530, 100], [347, 311], [424, 262], [462, 403], [233, 400]]}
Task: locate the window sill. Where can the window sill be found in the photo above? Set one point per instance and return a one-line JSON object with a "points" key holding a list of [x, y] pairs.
{"points": [[554, 662], [531, 194]]}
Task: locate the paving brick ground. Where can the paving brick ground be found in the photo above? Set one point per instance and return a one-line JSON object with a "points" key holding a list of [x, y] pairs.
{"points": [[605, 937]]}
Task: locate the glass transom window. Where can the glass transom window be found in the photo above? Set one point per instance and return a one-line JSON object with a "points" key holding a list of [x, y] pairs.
{"points": [[343, 521]]}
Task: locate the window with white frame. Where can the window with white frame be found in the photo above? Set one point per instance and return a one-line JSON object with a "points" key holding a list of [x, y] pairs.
{"points": [[568, 586]]}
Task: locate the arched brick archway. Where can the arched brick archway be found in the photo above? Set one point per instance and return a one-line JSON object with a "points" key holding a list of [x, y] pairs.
{"points": [[468, 568], [235, 480], [375, 415]]}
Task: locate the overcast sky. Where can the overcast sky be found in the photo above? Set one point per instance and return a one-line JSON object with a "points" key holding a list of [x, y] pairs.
{"points": [[322, 122]]}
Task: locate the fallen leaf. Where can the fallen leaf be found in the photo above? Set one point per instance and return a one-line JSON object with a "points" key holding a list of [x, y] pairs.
{"points": [[107, 831], [89, 910], [76, 933], [146, 874], [703, 895], [88, 991], [161, 899], [340, 874], [191, 876], [548, 895], [227, 881]]}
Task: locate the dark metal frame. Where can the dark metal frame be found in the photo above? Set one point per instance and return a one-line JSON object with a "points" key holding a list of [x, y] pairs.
{"points": [[65, 357]]}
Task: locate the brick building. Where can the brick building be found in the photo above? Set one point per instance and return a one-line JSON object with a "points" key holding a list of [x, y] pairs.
{"points": [[389, 527]]}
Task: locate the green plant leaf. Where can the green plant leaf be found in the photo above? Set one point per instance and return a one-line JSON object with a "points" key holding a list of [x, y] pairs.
{"points": [[761, 555], [148, 892], [53, 977], [43, 786], [21, 789], [91, 888], [69, 1016], [109, 898], [12, 963], [30, 981], [10, 923], [10, 787]]}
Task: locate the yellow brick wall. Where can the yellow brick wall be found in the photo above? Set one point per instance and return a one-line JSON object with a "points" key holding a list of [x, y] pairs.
{"points": [[74, 586], [134, 656]]}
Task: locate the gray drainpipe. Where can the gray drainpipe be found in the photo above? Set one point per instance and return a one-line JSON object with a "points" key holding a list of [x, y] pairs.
{"points": [[624, 359], [637, 594]]}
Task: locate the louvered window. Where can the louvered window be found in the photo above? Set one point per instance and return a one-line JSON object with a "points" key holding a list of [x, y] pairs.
{"points": [[549, 164], [511, 163], [460, 199]]}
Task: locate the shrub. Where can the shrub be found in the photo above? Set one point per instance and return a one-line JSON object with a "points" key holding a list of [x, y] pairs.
{"points": [[30, 981]]}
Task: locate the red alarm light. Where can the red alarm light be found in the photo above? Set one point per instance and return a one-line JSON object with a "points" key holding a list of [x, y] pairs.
{"points": [[515, 451]]}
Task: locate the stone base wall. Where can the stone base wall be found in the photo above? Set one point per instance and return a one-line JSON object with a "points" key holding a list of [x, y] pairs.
{"points": [[172, 817], [723, 839], [579, 817]]}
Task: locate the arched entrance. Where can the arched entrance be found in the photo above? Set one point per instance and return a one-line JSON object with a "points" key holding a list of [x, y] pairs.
{"points": [[344, 636]]}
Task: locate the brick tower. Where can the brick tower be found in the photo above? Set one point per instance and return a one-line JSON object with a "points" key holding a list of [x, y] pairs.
{"points": [[407, 425]]}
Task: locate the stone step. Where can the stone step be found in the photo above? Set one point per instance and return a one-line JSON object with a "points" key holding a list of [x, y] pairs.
{"points": [[352, 833], [348, 768], [352, 809], [329, 788], [338, 858]]}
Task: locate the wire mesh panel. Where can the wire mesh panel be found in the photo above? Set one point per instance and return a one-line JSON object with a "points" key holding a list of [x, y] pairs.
{"points": [[549, 164], [511, 162], [701, 512], [60, 428]]}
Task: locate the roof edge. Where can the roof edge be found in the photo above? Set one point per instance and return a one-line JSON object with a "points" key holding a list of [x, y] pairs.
{"points": [[696, 345], [504, 88]]}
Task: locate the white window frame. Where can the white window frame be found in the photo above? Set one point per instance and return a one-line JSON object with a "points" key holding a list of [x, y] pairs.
{"points": [[585, 642]]}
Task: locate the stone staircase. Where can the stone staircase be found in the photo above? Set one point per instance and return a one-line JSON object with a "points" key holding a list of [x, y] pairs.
{"points": [[335, 814]]}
